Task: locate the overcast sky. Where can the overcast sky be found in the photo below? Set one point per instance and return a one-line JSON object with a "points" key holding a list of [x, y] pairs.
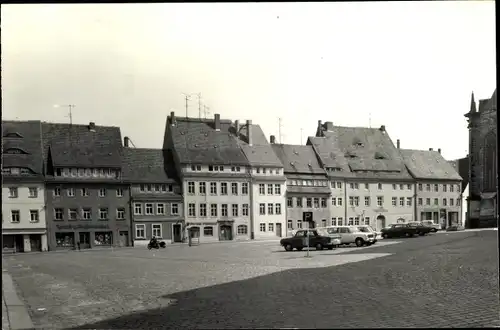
{"points": [[411, 65]]}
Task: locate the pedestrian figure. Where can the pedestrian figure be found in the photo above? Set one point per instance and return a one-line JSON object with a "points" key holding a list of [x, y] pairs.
{"points": [[78, 245]]}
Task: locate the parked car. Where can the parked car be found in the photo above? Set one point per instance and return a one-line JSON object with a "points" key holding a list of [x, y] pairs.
{"points": [[421, 228], [434, 226], [368, 229], [352, 234], [399, 230], [332, 233], [299, 241]]}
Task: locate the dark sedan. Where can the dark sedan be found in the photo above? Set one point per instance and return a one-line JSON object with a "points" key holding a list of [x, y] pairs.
{"points": [[299, 241]]}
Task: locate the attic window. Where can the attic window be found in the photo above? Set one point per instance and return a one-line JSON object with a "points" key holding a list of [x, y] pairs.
{"points": [[13, 135], [357, 142], [14, 151], [379, 155], [296, 152], [350, 155]]}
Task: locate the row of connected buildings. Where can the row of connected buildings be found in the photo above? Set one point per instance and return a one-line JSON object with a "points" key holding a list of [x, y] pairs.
{"points": [[214, 179]]}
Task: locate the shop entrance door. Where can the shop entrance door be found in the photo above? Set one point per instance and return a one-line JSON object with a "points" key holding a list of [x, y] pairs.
{"points": [[84, 240]]}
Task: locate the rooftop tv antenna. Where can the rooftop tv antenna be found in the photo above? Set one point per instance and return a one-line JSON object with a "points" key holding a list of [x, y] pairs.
{"points": [[301, 130], [280, 125], [206, 111], [199, 104], [70, 110]]}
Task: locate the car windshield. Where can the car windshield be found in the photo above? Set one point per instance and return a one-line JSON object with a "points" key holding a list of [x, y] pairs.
{"points": [[366, 229]]}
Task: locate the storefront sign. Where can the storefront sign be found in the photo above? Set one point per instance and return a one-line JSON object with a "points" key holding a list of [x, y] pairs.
{"points": [[86, 226]]}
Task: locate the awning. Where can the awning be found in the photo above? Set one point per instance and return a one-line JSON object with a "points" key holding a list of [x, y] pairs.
{"points": [[489, 195], [23, 231]]}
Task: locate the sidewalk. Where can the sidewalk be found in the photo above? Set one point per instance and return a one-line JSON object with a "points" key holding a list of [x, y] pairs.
{"points": [[15, 315]]}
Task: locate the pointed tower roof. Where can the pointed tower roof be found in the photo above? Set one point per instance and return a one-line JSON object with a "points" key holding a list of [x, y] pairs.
{"points": [[472, 104]]}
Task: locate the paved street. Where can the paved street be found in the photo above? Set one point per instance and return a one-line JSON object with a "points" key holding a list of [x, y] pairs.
{"points": [[440, 280]]}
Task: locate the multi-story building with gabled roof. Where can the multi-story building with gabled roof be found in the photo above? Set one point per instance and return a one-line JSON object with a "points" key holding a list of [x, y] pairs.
{"points": [[367, 172], [24, 228], [438, 187], [87, 200]]}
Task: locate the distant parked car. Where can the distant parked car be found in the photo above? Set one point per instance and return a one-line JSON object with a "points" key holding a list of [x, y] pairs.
{"points": [[368, 229], [434, 226], [352, 234], [299, 241], [332, 233], [421, 229], [399, 230]]}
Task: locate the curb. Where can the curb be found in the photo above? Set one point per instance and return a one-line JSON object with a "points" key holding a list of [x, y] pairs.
{"points": [[18, 316]]}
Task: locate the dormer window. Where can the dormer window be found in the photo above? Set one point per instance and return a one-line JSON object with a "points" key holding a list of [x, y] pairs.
{"points": [[14, 151], [379, 155], [357, 142], [350, 155]]}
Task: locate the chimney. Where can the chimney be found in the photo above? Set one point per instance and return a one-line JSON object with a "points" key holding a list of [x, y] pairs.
{"points": [[398, 144], [217, 122], [249, 132], [430, 149], [272, 139], [172, 118], [319, 131], [329, 126], [92, 126], [125, 141], [237, 126], [382, 128], [439, 150]]}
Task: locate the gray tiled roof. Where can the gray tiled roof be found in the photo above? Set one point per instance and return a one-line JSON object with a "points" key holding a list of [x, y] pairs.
{"points": [[360, 152], [76, 145], [148, 165], [260, 152], [425, 164], [197, 142], [28, 141], [298, 159]]}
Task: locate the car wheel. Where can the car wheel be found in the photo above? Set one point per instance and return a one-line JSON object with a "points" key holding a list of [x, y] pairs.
{"points": [[288, 247], [434, 230], [330, 247], [359, 242], [368, 243], [299, 249], [319, 246], [421, 234], [385, 236], [408, 235]]}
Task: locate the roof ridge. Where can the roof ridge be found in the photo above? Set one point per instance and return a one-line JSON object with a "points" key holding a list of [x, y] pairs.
{"points": [[78, 125]]}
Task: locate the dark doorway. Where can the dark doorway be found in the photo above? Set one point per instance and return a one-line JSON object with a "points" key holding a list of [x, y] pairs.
{"points": [[278, 229], [177, 233], [36, 242], [123, 239], [380, 222], [84, 240], [225, 233]]}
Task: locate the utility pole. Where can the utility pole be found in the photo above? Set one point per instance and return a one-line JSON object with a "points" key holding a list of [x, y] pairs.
{"points": [[279, 129], [70, 110]]}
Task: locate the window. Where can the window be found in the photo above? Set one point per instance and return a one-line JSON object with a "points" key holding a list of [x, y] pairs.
{"points": [[339, 201], [195, 231], [379, 186], [174, 209], [33, 192], [213, 188], [420, 202], [367, 186], [87, 214], [235, 210], [367, 221], [367, 200], [445, 201], [245, 210], [208, 231], [120, 213], [102, 192], [332, 184], [160, 209], [278, 208], [203, 210], [340, 221], [142, 188], [428, 187], [163, 187], [223, 188], [234, 188], [436, 187], [262, 189], [191, 187], [445, 188], [394, 201], [13, 192], [149, 188], [263, 227], [436, 201], [262, 209], [157, 188], [334, 201], [299, 224], [85, 192], [242, 230], [277, 189], [289, 202], [270, 209], [427, 201], [408, 201], [270, 189], [323, 202], [213, 210], [316, 202], [299, 201], [149, 209], [210, 168], [458, 187], [156, 230], [351, 221], [409, 186], [15, 216], [72, 214], [458, 201], [394, 187], [334, 221], [271, 227], [119, 192], [339, 185], [452, 188], [401, 187], [356, 221], [323, 223], [137, 208], [451, 201], [351, 185], [140, 231], [223, 210], [401, 201], [34, 216], [202, 186], [191, 210], [356, 200], [103, 213], [289, 224], [420, 187], [58, 214], [380, 201], [244, 188]]}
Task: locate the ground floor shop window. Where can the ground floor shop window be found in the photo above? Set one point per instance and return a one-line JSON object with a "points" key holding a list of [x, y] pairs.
{"points": [[65, 239], [242, 230], [208, 231], [103, 238], [156, 230], [194, 232], [8, 241]]}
